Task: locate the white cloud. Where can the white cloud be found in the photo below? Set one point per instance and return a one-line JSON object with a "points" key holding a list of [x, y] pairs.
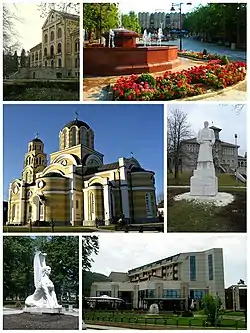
{"points": [[224, 116], [121, 252]]}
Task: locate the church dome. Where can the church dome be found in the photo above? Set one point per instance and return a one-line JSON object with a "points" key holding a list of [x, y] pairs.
{"points": [[36, 140], [77, 123]]}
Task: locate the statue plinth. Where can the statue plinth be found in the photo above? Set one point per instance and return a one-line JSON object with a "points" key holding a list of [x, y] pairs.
{"points": [[35, 310], [204, 183]]}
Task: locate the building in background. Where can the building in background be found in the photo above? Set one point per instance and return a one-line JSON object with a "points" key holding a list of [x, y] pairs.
{"points": [[226, 156], [58, 54], [159, 20], [77, 188], [174, 282]]}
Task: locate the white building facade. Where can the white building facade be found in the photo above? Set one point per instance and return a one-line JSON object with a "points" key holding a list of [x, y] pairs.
{"points": [[173, 281]]}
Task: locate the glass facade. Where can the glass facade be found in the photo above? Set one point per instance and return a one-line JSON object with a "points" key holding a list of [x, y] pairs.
{"points": [[197, 294], [192, 268], [100, 293], [171, 293], [151, 293], [210, 267]]}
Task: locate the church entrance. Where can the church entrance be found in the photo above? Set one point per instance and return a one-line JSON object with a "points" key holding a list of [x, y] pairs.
{"points": [[96, 202]]}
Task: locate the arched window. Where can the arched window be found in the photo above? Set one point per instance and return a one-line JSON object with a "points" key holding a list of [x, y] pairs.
{"points": [[45, 38], [148, 202], [45, 51], [83, 136], [40, 54], [45, 64], [76, 45], [33, 57], [64, 138], [59, 62], [52, 36], [36, 56], [59, 48], [76, 62], [73, 136], [14, 211], [52, 63], [59, 33], [52, 50]]}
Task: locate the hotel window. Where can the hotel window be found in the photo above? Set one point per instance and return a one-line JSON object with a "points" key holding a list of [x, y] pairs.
{"points": [[148, 205], [192, 266], [199, 294], [151, 293], [171, 293], [210, 267]]}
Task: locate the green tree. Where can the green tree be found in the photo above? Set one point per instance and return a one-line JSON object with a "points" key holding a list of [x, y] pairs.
{"points": [[212, 309], [99, 17], [90, 246], [63, 257], [15, 62], [130, 21], [218, 21], [23, 59]]}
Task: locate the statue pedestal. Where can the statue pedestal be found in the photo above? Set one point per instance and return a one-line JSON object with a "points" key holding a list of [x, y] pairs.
{"points": [[204, 183], [43, 310]]}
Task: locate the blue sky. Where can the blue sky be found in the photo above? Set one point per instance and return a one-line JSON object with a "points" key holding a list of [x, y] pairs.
{"points": [[119, 130]]}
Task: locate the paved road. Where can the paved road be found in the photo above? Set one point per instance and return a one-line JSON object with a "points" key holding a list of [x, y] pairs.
{"points": [[198, 46]]}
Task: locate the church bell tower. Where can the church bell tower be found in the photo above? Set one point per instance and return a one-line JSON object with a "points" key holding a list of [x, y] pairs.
{"points": [[35, 160]]}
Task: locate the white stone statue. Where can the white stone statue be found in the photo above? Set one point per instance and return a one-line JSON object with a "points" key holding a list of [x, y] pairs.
{"points": [[204, 182], [44, 296], [111, 38], [149, 39], [160, 35], [145, 37], [153, 309]]}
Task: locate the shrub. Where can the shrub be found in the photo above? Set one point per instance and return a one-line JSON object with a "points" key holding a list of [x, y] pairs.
{"points": [[187, 314], [224, 60], [147, 78]]}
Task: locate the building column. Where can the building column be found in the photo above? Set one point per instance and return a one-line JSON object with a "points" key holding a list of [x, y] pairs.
{"points": [[72, 196], [124, 188], [135, 296], [107, 204], [9, 206], [22, 202], [86, 205]]}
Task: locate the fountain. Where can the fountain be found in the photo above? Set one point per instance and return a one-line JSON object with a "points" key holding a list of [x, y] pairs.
{"points": [[153, 309], [122, 56]]}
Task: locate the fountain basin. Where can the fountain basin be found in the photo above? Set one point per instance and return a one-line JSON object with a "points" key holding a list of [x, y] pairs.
{"points": [[105, 61]]}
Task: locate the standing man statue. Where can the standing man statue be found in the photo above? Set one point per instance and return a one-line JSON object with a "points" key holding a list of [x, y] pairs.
{"points": [[204, 181]]}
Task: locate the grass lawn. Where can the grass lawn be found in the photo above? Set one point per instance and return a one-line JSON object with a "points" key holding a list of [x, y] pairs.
{"points": [[134, 320], [184, 179], [186, 216], [10, 229]]}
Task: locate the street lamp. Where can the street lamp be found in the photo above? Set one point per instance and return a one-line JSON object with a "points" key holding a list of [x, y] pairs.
{"points": [[173, 10]]}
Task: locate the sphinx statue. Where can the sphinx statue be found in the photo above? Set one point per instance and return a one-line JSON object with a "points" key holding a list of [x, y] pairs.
{"points": [[44, 295]]}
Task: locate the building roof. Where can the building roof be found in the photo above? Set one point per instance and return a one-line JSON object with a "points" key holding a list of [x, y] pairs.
{"points": [[131, 271], [118, 277], [36, 46], [67, 15], [194, 140], [36, 140], [77, 123]]}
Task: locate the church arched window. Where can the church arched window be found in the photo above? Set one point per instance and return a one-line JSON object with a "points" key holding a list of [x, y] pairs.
{"points": [[148, 202], [14, 211], [73, 136], [83, 136]]}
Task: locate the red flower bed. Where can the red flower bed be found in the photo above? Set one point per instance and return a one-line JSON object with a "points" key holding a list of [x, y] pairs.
{"points": [[186, 83]]}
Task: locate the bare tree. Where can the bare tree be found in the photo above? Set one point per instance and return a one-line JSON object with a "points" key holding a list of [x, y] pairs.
{"points": [[236, 107], [45, 7], [160, 198], [178, 129], [10, 34]]}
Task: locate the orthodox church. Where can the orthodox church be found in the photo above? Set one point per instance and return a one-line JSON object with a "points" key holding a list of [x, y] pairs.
{"points": [[77, 188]]}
